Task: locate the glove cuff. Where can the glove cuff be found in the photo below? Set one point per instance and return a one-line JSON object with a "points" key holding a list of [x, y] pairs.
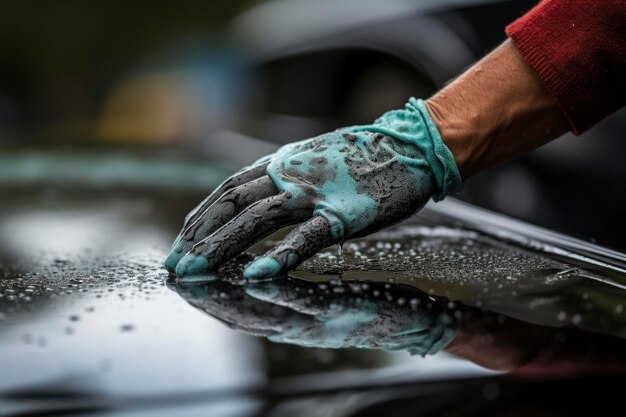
{"points": [[449, 326], [414, 125], [438, 155]]}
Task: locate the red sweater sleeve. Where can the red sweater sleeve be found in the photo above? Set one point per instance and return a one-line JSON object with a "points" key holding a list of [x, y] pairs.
{"points": [[578, 49]]}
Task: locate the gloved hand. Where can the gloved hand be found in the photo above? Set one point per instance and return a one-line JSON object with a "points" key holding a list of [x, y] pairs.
{"points": [[344, 314], [337, 186]]}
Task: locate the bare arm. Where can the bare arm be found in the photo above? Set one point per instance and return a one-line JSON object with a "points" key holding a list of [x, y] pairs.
{"points": [[496, 110]]}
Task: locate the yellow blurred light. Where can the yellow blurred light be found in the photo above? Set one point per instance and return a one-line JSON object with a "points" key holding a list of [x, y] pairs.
{"points": [[153, 108]]}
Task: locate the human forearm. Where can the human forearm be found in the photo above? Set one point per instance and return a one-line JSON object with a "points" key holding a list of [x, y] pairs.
{"points": [[496, 110]]}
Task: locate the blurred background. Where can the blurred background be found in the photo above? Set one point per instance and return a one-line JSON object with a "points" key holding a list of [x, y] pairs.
{"points": [[160, 92]]}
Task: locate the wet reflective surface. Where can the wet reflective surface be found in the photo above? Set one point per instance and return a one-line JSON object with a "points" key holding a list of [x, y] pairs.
{"points": [[89, 320]]}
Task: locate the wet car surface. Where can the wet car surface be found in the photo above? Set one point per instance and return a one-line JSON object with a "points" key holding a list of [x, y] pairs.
{"points": [[91, 322]]}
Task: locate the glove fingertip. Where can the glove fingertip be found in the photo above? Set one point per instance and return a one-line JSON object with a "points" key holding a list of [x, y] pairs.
{"points": [[190, 265], [172, 261], [264, 291], [262, 268]]}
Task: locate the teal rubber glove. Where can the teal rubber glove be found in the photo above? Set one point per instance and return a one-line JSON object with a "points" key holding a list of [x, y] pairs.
{"points": [[370, 315], [337, 186]]}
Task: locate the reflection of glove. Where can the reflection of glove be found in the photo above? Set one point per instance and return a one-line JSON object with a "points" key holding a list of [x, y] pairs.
{"points": [[336, 186], [343, 314]]}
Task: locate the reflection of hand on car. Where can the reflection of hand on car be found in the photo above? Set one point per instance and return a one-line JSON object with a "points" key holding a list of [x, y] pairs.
{"points": [[332, 315], [393, 317]]}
